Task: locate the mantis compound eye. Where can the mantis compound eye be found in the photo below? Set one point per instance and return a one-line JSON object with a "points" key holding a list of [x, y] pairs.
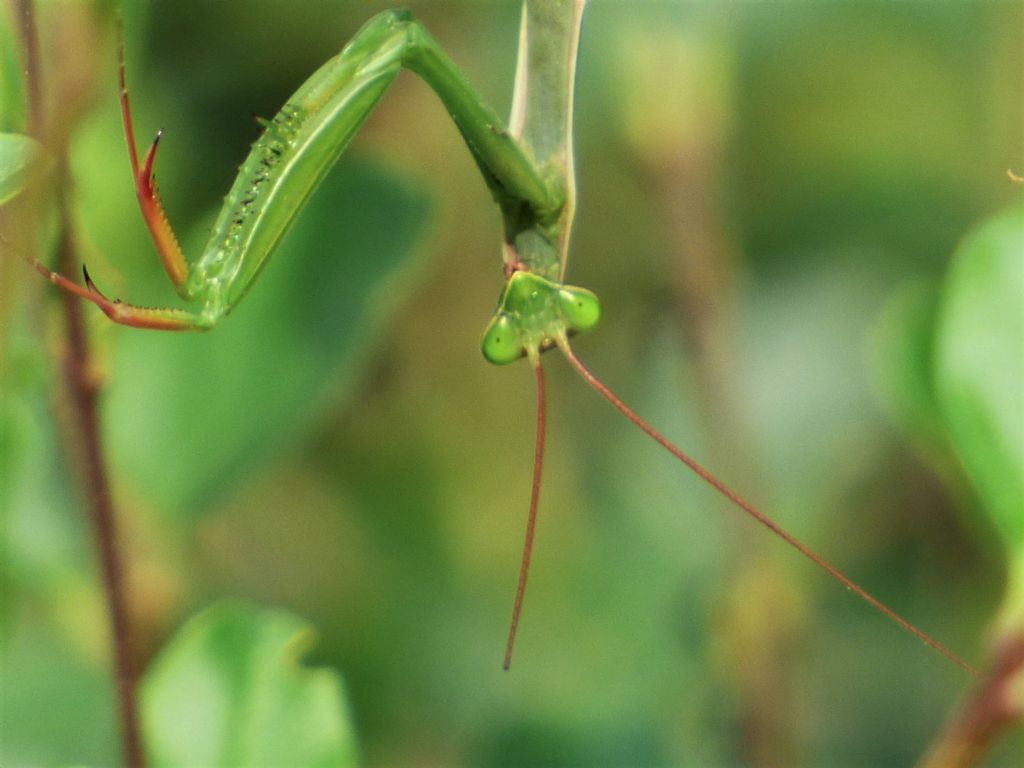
{"points": [[502, 344], [580, 308]]}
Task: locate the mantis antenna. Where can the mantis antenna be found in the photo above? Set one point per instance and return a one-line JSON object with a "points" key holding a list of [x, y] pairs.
{"points": [[531, 518], [754, 512]]}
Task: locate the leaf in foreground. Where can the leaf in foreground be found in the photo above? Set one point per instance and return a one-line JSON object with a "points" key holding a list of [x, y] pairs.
{"points": [[229, 690], [980, 368]]}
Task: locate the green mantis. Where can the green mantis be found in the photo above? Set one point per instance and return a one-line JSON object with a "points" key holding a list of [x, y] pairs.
{"points": [[526, 173]]}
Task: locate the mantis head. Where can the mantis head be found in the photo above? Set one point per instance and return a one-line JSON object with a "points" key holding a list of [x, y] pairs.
{"points": [[534, 314]]}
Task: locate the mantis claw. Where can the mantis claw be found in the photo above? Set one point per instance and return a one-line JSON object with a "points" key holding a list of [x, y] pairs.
{"points": [[146, 172], [127, 314], [92, 286]]}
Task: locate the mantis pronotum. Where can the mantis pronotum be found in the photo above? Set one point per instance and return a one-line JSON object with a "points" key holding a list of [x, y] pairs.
{"points": [[528, 175]]}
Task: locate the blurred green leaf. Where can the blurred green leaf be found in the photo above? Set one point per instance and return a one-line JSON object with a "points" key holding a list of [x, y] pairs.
{"points": [[21, 157], [58, 701], [189, 414], [229, 690], [979, 370], [902, 353]]}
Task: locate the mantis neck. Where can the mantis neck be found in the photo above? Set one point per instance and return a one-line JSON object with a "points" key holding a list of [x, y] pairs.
{"points": [[541, 121]]}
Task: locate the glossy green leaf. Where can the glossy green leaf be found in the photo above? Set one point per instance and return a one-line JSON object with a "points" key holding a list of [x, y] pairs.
{"points": [[21, 157], [230, 690], [979, 369], [191, 413]]}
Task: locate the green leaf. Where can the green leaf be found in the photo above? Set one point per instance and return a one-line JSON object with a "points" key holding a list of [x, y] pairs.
{"points": [[902, 355], [979, 371], [190, 414], [21, 158], [229, 690]]}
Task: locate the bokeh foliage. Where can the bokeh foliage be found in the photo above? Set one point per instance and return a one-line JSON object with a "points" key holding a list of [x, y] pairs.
{"points": [[340, 450], [230, 690]]}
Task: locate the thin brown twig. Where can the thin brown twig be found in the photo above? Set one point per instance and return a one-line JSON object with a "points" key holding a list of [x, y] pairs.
{"points": [[992, 709], [82, 392]]}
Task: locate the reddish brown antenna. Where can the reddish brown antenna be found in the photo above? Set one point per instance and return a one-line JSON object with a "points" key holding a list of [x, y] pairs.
{"points": [[755, 513], [531, 520]]}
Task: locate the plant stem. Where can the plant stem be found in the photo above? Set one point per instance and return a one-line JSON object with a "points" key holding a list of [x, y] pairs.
{"points": [[83, 387], [992, 709]]}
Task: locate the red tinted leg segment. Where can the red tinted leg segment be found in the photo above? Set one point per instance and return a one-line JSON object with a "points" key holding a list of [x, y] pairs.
{"points": [[145, 189], [128, 314]]}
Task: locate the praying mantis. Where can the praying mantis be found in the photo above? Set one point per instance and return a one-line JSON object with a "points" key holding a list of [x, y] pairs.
{"points": [[527, 167]]}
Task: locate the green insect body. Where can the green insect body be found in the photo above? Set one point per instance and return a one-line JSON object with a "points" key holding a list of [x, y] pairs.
{"points": [[301, 144], [298, 147]]}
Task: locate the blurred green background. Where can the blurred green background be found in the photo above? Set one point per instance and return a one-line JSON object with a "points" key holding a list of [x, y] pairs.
{"points": [[759, 186]]}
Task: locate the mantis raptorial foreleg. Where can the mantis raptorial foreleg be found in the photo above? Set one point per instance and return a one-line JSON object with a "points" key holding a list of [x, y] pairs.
{"points": [[299, 145], [296, 150]]}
